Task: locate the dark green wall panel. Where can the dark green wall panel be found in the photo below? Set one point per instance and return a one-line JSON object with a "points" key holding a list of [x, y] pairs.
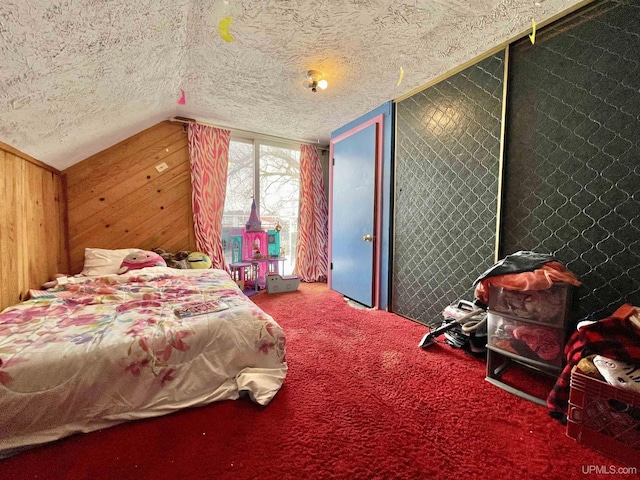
{"points": [[572, 158], [446, 172]]}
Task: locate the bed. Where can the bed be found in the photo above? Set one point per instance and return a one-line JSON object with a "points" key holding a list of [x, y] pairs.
{"points": [[100, 350]]}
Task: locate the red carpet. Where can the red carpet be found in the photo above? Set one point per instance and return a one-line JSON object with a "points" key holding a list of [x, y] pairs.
{"points": [[361, 401]]}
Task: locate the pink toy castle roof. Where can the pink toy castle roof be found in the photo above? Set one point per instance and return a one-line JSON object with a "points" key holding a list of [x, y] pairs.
{"points": [[254, 224]]}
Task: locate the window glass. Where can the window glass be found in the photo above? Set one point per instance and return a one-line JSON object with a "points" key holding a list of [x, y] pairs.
{"points": [[237, 205], [279, 183], [280, 197]]}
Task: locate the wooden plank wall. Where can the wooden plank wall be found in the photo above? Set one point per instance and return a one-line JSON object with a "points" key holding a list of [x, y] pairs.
{"points": [[32, 225], [117, 198]]}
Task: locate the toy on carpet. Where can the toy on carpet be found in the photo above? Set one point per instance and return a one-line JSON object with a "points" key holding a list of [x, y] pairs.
{"points": [[276, 283], [141, 259], [199, 260]]}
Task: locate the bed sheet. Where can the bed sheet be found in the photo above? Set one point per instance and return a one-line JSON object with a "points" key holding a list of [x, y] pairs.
{"points": [[111, 349]]}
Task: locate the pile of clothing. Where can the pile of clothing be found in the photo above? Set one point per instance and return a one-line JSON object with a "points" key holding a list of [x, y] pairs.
{"points": [[536, 272], [608, 349], [531, 341]]}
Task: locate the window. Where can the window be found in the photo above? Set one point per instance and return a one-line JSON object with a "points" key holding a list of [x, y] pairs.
{"points": [[269, 173], [240, 175]]}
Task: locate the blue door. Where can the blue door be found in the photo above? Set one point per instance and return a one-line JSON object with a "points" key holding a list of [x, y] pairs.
{"points": [[352, 233]]}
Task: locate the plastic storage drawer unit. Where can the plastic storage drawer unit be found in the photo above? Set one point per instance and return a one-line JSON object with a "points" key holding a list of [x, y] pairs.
{"points": [[548, 306]]}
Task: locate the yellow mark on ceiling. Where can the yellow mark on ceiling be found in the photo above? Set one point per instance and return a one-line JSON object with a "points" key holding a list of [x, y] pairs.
{"points": [[401, 76], [223, 28]]}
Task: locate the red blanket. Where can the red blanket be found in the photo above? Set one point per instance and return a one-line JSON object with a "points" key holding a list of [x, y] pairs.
{"points": [[614, 337]]}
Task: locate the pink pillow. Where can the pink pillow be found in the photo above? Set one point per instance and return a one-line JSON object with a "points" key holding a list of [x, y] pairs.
{"points": [[141, 259]]}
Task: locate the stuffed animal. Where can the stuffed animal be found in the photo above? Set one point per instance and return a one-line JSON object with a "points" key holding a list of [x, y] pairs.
{"points": [[141, 259], [184, 259], [199, 260], [618, 373], [174, 260]]}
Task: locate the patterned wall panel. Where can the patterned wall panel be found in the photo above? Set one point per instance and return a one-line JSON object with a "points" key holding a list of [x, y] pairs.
{"points": [[117, 198], [572, 159], [447, 156]]}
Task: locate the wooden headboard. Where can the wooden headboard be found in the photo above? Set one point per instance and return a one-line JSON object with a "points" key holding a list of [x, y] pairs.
{"points": [[32, 224]]}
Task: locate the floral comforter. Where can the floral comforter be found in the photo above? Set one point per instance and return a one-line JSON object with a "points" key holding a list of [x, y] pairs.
{"points": [[100, 351]]}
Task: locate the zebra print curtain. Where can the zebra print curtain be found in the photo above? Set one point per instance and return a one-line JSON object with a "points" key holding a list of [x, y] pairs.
{"points": [[209, 159], [313, 225]]}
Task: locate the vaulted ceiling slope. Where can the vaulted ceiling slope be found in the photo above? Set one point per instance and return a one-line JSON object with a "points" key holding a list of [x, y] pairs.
{"points": [[78, 76]]}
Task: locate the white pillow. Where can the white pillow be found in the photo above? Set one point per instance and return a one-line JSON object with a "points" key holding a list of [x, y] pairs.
{"points": [[101, 261]]}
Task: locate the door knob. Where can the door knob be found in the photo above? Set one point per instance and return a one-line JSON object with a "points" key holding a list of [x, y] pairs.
{"points": [[367, 238]]}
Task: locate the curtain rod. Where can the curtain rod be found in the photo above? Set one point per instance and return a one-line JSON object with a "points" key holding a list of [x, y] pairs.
{"points": [[246, 133]]}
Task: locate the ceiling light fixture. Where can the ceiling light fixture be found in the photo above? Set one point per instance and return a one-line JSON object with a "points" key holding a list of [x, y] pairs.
{"points": [[314, 80]]}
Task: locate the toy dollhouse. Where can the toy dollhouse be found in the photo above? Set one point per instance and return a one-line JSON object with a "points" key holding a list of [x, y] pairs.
{"points": [[255, 253], [277, 283], [254, 239]]}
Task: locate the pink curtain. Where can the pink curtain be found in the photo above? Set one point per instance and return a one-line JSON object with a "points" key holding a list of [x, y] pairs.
{"points": [[209, 158], [311, 252]]}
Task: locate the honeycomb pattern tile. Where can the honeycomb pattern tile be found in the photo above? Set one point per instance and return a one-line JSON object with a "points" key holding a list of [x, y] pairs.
{"points": [[572, 158], [447, 154]]}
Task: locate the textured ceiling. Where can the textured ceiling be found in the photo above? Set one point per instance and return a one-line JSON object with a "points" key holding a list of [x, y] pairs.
{"points": [[78, 76]]}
